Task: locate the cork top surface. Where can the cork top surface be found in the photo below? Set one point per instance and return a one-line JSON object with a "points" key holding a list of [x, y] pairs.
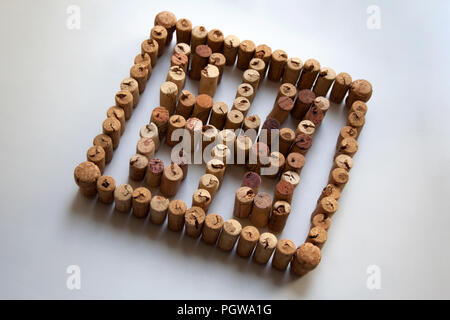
{"points": [[327, 73], [187, 98], [106, 183], [261, 149], [168, 87], [311, 65], [214, 221], [349, 145], [217, 59], [166, 19], [146, 145], [281, 208], [138, 161], [209, 180], [235, 116], [348, 132], [184, 24], [124, 97], [263, 52], [306, 127], [160, 114], [356, 119], [155, 166], [215, 35], [220, 107], [287, 134], [210, 71], [360, 106], [173, 172], [322, 221], [142, 195], [158, 32], [221, 151], [129, 84], [251, 74], [232, 227], [177, 121], [288, 89], [215, 165], [285, 188], [340, 175], [252, 121], [177, 207], [251, 179], [194, 124], [142, 58], [202, 196], [332, 191], [123, 192], [296, 160], [344, 161], [102, 140], [303, 141], [344, 79], [271, 123], [280, 55], [317, 235], [203, 51], [86, 172], [292, 177], [242, 103], [257, 64], [111, 125], [294, 63], [247, 46], [308, 255], [205, 101], [277, 159], [139, 70], [361, 88], [245, 89], [149, 131], [195, 216], [286, 246], [95, 153], [315, 115], [245, 194], [268, 240], [150, 45], [183, 48], [329, 205], [322, 103], [199, 32], [306, 96], [250, 233], [180, 158], [115, 112], [179, 59], [159, 203], [243, 142], [262, 200], [209, 131], [231, 41], [285, 103], [177, 73]]}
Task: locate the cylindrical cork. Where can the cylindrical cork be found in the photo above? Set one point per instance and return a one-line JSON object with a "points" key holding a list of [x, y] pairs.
{"points": [[271, 127], [181, 159], [146, 147], [209, 134], [292, 72], [306, 258], [327, 206], [243, 202], [198, 37], [131, 85], [287, 90], [247, 241], [315, 115], [105, 189], [252, 122], [341, 85], [359, 90], [230, 233], [182, 48], [302, 143], [151, 47], [184, 29], [310, 71], [292, 177], [251, 77], [180, 60], [171, 180], [343, 161], [218, 115], [185, 104], [280, 213], [281, 109], [159, 34], [359, 106], [241, 103], [276, 165], [258, 157], [119, 114], [347, 132], [124, 100], [209, 78], [217, 168], [202, 107], [193, 134], [168, 20], [356, 120], [322, 103], [158, 209], [234, 120], [348, 146], [175, 122], [155, 170], [217, 59], [199, 61], [277, 64], [324, 81], [245, 90], [251, 180], [265, 247], [215, 40], [211, 228], [175, 215], [210, 183], [141, 202], [150, 131], [258, 65], [242, 146], [201, 198], [262, 205], [317, 236], [339, 177], [138, 167], [287, 137], [330, 190], [263, 52], [302, 104], [283, 254], [144, 59], [221, 152], [230, 49], [168, 93], [283, 191], [105, 141], [86, 175], [176, 75], [306, 127], [245, 54], [122, 198], [321, 221], [96, 155], [111, 127], [139, 72], [194, 220], [226, 137], [160, 117]]}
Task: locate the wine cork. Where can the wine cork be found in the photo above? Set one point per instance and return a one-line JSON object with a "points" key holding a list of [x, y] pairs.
{"points": [[158, 209], [194, 220], [292, 177], [259, 66], [302, 143], [263, 52], [359, 90], [258, 157], [215, 40], [306, 258], [111, 127], [175, 122], [292, 72], [183, 30], [252, 122], [175, 215], [168, 93], [341, 85], [358, 106], [122, 198], [182, 48], [144, 58], [294, 162], [283, 191], [198, 37], [131, 85], [202, 107], [105, 141], [247, 241], [138, 167], [356, 120], [283, 254], [155, 170], [281, 109], [262, 205], [159, 34], [315, 115], [124, 100], [217, 168], [171, 180], [185, 104], [251, 77], [180, 60], [226, 137], [252, 180], [211, 228], [230, 49], [199, 61], [242, 104], [221, 152], [146, 147], [230, 232], [310, 71], [234, 119], [217, 59], [245, 54], [280, 213], [180, 158], [168, 20], [176, 75], [105, 189], [219, 113], [245, 90], [160, 117], [265, 247], [343, 161], [271, 127], [276, 165], [209, 183], [277, 64], [139, 72], [348, 146], [338, 177], [209, 134], [141, 202], [209, 78], [86, 175], [320, 221], [327, 206], [317, 236], [322, 103], [324, 81], [151, 47], [347, 132], [287, 90], [193, 134], [306, 127], [243, 202], [150, 131], [119, 114], [242, 146], [96, 155], [287, 137], [304, 100], [201, 198], [330, 190]]}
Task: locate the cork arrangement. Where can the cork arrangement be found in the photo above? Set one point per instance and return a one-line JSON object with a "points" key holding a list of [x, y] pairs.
{"points": [[232, 136]]}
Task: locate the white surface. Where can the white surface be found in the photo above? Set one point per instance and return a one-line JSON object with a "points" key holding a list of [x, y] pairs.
{"points": [[56, 85]]}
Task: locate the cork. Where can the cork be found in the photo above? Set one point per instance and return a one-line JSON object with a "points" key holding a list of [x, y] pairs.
{"points": [[217, 168], [180, 158], [171, 180], [176, 75], [131, 85], [160, 117], [215, 40], [283, 254], [277, 64], [211, 228], [330, 190], [230, 49], [263, 52], [146, 147], [230, 233], [271, 127], [141, 202], [245, 54], [324, 81], [151, 47], [217, 59], [144, 58], [315, 115], [258, 157], [262, 205], [347, 132], [138, 167], [252, 180], [247, 241], [150, 131], [243, 202], [292, 71], [340, 87], [356, 120], [321, 221], [338, 177], [199, 61], [252, 122], [310, 71], [292, 177], [154, 173], [343, 161], [304, 100], [124, 100], [241, 103], [348, 146], [242, 146], [209, 78], [183, 30], [302, 143], [221, 152], [104, 141], [168, 20], [322, 103], [283, 191], [119, 114], [111, 127], [202, 107], [180, 60], [201, 198], [287, 90], [105, 189], [259, 66], [198, 37], [194, 220], [168, 93], [209, 134], [182, 48], [306, 258], [193, 133], [175, 215], [287, 137], [219, 113], [234, 120], [185, 104], [122, 198], [251, 77], [317, 236], [175, 122], [281, 109], [227, 137], [158, 209], [86, 175], [276, 165], [159, 34], [358, 106], [209, 183], [327, 206], [265, 247], [305, 127], [139, 72], [280, 213], [96, 155], [245, 90], [359, 90]]}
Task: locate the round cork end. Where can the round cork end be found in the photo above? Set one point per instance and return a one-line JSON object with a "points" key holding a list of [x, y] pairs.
{"points": [[142, 58], [303, 141], [356, 119], [199, 32], [204, 101], [348, 132], [285, 103], [177, 74], [243, 143], [322, 103], [247, 46], [209, 131], [166, 19], [245, 194], [160, 114], [263, 52], [184, 24], [124, 97], [173, 172], [201, 196], [158, 32], [261, 149], [268, 240], [331, 191], [306, 96], [292, 177], [95, 153], [321, 221], [317, 236], [344, 161], [311, 65], [359, 106], [123, 192], [277, 159], [203, 51], [315, 115], [344, 79], [262, 200], [271, 124], [150, 45], [361, 88], [106, 183], [221, 151], [327, 73], [209, 181], [194, 124], [306, 127], [183, 48], [177, 207], [251, 179], [111, 125], [86, 173], [245, 90], [294, 64], [279, 56], [145, 145], [214, 221], [252, 122], [348, 145], [138, 161], [215, 165], [220, 107], [235, 116], [231, 41], [296, 160], [329, 205], [169, 88], [339, 175], [281, 208], [308, 255], [288, 89], [142, 195], [138, 70], [242, 104], [232, 227], [159, 203], [250, 234], [217, 59], [129, 84], [177, 121], [116, 112], [195, 216], [187, 98], [284, 188], [155, 166], [286, 247], [215, 35], [252, 75], [211, 72], [287, 134], [102, 140], [179, 59]]}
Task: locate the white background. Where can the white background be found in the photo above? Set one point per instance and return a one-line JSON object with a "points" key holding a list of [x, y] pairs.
{"points": [[57, 84]]}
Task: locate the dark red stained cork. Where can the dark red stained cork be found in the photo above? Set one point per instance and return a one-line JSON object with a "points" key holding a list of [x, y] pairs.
{"points": [[251, 180], [156, 165], [315, 115]]}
